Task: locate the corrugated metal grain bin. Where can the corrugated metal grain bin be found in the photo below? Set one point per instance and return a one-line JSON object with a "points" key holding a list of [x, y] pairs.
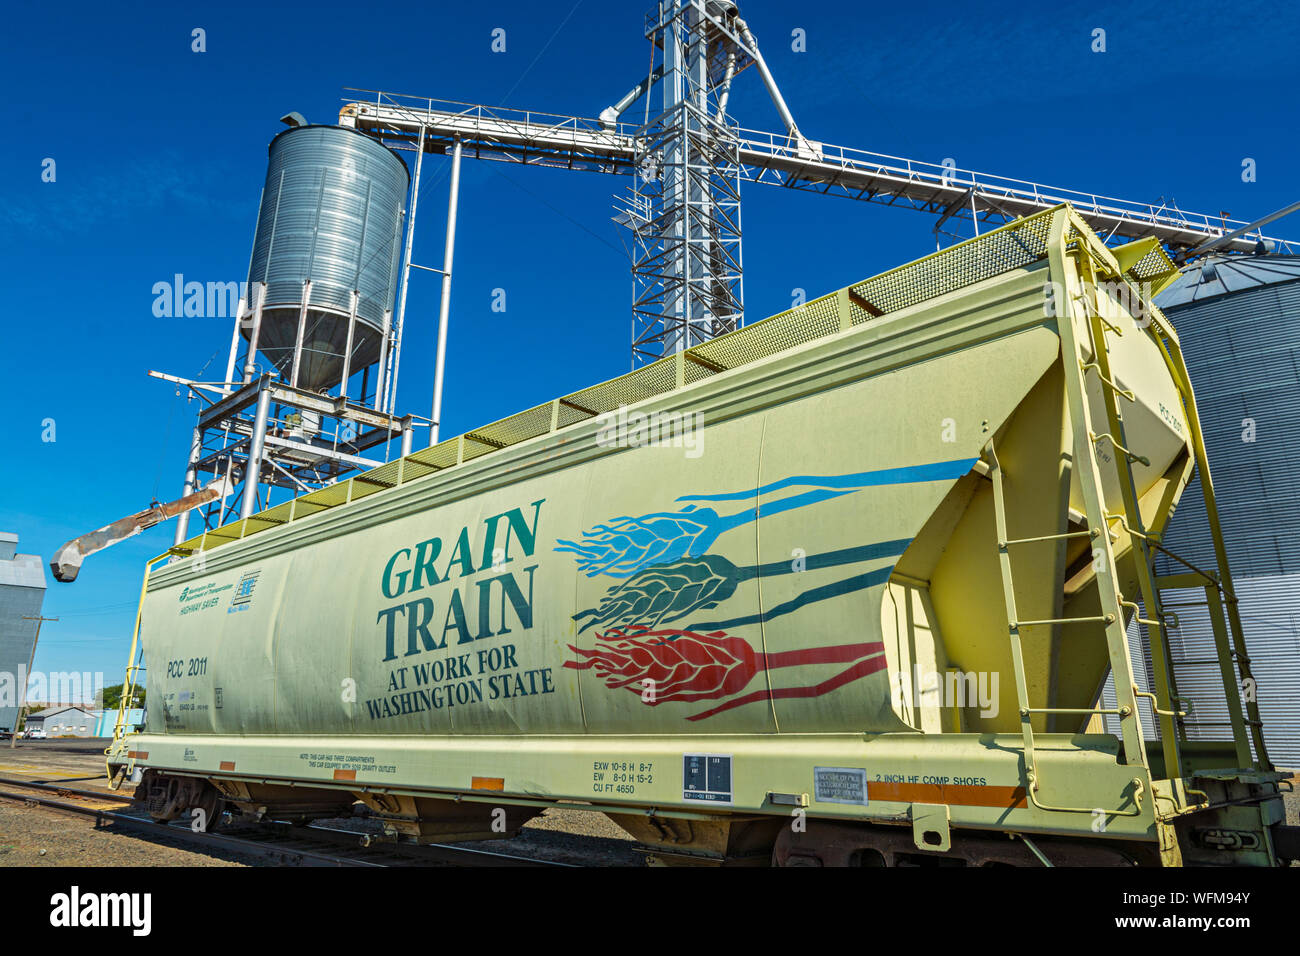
{"points": [[331, 214], [1239, 319], [22, 591]]}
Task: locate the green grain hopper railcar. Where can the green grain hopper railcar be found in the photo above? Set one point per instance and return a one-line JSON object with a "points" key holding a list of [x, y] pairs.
{"points": [[843, 586]]}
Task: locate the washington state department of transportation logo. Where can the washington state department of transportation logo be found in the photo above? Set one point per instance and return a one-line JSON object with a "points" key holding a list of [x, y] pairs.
{"points": [[243, 596]]}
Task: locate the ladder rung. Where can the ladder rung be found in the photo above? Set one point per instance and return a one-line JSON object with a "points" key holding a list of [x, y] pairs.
{"points": [[1123, 522], [1149, 622], [1117, 711], [1118, 447], [1048, 537], [1208, 578], [1183, 582], [1105, 381], [1155, 704], [1102, 619]]}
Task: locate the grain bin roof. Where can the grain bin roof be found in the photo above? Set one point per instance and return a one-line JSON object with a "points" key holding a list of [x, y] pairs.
{"points": [[1223, 274]]}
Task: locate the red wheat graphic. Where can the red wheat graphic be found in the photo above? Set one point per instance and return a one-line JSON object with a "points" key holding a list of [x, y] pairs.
{"points": [[686, 666]]}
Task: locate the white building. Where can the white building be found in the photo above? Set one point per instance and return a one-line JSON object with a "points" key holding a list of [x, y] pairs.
{"points": [[63, 721]]}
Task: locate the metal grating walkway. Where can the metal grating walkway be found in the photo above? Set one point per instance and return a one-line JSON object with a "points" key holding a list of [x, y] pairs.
{"points": [[1017, 245]]}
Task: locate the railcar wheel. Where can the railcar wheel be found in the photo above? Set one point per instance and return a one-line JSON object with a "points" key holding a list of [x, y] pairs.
{"points": [[211, 805]]}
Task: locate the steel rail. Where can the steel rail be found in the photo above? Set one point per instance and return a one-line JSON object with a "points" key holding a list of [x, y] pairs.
{"points": [[295, 855], [296, 849], [74, 791]]}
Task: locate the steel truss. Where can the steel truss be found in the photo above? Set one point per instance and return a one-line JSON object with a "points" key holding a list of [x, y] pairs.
{"points": [[287, 437], [684, 204]]}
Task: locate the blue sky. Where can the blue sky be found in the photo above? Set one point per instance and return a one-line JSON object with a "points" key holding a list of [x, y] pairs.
{"points": [[161, 154]]}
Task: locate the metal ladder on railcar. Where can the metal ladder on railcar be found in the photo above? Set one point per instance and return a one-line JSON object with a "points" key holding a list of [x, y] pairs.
{"points": [[135, 667], [1102, 531], [1221, 600]]}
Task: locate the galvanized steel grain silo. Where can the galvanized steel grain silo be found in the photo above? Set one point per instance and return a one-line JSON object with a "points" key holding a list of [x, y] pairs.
{"points": [[22, 591], [1238, 318], [325, 255]]}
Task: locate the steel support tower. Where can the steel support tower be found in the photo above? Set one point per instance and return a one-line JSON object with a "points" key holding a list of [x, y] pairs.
{"points": [[683, 207], [258, 433]]}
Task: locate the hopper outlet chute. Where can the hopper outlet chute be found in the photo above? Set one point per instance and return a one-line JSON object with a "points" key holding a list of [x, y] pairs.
{"points": [[1013, 554]]}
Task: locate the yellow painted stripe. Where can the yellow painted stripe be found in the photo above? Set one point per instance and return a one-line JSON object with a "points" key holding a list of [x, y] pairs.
{"points": [[38, 772]]}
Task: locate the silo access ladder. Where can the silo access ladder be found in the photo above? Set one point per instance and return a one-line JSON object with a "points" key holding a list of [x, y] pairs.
{"points": [[1217, 585]]}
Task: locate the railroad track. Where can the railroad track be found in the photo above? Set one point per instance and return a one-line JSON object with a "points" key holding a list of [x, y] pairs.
{"points": [[286, 846]]}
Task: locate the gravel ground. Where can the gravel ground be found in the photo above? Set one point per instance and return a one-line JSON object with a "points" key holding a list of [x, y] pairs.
{"points": [[78, 763], [38, 836]]}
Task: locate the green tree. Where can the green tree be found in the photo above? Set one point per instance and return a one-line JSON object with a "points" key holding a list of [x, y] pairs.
{"points": [[113, 697]]}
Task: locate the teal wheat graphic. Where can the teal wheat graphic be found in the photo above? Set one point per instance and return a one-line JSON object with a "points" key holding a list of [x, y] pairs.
{"points": [[626, 545], [666, 593]]}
